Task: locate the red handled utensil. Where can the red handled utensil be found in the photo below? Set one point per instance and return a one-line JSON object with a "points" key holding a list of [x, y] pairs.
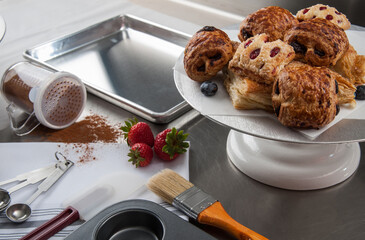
{"points": [[109, 190]]}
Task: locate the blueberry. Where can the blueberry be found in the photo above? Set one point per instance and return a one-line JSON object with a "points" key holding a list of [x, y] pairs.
{"points": [[208, 88], [360, 92]]}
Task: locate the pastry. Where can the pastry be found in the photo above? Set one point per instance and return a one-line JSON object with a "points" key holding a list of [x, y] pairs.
{"points": [[207, 52], [346, 90], [325, 12], [273, 21], [260, 60], [351, 66], [317, 42], [246, 94], [304, 96], [235, 45]]}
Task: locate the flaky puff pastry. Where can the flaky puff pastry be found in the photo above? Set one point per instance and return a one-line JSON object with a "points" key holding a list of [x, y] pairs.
{"points": [[260, 60], [346, 90], [304, 96], [206, 53], [351, 66], [325, 12], [246, 94], [273, 21], [317, 42]]}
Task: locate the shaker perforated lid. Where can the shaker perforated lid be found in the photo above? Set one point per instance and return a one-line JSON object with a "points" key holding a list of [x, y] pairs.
{"points": [[60, 101]]}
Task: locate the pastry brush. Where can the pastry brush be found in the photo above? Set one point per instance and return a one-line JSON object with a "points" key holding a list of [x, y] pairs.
{"points": [[195, 203]]}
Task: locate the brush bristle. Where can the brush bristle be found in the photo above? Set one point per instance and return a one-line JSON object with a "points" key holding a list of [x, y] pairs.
{"points": [[168, 184]]}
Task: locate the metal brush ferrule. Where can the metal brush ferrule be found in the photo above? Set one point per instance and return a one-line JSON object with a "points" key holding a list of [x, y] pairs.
{"points": [[193, 201]]}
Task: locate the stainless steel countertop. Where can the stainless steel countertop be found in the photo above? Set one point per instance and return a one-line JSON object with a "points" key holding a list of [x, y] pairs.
{"points": [[337, 212]]}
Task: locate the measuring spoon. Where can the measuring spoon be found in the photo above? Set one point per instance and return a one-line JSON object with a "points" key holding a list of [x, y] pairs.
{"points": [[20, 212], [5, 194]]}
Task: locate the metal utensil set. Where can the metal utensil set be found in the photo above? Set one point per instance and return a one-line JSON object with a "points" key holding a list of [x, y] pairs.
{"points": [[49, 175]]}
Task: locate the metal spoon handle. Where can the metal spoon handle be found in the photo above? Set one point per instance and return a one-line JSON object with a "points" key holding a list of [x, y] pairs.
{"points": [[50, 180], [26, 175], [33, 179]]}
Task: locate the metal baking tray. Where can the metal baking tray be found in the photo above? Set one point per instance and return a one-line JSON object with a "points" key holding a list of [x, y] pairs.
{"points": [[125, 60], [138, 219]]}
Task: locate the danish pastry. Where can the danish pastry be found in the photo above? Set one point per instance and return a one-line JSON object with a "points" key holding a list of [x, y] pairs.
{"points": [[246, 94], [207, 52], [326, 12], [260, 60], [346, 90], [304, 96], [317, 42], [273, 21], [351, 66]]}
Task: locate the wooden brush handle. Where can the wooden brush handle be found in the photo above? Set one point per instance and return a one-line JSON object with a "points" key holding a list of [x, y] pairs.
{"points": [[216, 216]]}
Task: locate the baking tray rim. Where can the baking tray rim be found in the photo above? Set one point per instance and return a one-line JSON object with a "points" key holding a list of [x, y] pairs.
{"points": [[124, 103]]}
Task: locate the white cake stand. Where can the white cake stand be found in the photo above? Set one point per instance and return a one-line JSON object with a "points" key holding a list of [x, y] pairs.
{"points": [[2, 28], [268, 152], [292, 165]]}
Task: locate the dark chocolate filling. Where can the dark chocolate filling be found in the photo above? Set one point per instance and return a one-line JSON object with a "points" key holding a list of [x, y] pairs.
{"points": [[245, 34], [207, 29], [298, 48]]}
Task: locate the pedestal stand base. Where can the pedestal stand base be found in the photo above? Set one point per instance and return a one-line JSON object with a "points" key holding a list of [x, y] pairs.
{"points": [[292, 165]]}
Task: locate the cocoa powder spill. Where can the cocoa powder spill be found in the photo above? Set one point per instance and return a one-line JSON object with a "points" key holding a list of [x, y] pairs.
{"points": [[92, 129]]}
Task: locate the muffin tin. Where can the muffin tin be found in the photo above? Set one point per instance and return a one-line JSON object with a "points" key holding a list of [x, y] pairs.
{"points": [[138, 219]]}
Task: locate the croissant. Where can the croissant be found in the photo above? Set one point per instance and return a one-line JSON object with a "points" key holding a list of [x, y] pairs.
{"points": [[351, 66], [317, 42], [346, 90], [304, 96], [207, 52], [273, 21]]}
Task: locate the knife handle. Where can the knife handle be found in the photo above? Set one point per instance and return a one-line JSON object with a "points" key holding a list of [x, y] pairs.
{"points": [[216, 216], [54, 225]]}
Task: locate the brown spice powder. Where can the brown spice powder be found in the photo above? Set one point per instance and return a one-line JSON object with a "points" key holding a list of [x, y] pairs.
{"points": [[93, 129]]}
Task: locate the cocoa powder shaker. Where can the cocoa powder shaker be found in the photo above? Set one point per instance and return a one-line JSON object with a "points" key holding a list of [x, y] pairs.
{"points": [[53, 99]]}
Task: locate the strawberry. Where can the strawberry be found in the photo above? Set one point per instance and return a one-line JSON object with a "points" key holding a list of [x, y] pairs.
{"points": [[140, 155], [170, 143], [137, 132]]}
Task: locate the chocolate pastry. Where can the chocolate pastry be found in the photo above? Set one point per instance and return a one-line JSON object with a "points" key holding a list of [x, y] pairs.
{"points": [[351, 66], [305, 96], [325, 12], [273, 21], [246, 94], [260, 60], [317, 42], [207, 52]]}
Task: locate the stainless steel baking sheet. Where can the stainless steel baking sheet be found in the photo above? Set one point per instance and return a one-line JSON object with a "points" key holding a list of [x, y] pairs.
{"points": [[125, 60]]}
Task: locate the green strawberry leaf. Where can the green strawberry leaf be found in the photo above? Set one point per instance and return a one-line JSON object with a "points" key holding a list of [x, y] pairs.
{"points": [[135, 157], [175, 143], [127, 127]]}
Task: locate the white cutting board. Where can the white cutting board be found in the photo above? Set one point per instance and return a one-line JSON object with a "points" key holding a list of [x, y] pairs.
{"points": [[107, 191], [108, 159]]}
